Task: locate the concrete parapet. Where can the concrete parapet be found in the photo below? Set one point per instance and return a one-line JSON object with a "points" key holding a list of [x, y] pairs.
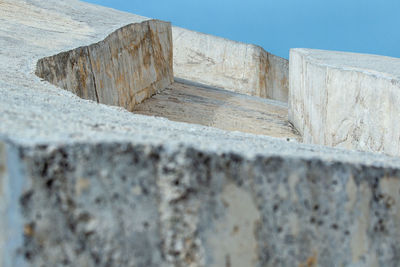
{"points": [[346, 100], [128, 66], [234, 66], [108, 204]]}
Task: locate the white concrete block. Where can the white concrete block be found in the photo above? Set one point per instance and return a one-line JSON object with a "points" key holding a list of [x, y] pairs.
{"points": [[346, 100]]}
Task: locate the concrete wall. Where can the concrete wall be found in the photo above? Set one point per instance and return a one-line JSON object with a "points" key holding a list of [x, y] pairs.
{"points": [[115, 73], [108, 204], [128, 66], [346, 100], [234, 66]]}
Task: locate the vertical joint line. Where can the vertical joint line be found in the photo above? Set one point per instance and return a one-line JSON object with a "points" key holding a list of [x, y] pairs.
{"points": [[94, 78]]}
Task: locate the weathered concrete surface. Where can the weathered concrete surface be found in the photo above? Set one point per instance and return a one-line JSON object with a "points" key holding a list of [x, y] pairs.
{"points": [[95, 185], [195, 103], [128, 66], [234, 66], [346, 100], [119, 203]]}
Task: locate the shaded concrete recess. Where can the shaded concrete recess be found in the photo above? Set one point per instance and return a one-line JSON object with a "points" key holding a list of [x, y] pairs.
{"points": [[88, 184], [195, 103], [135, 62]]}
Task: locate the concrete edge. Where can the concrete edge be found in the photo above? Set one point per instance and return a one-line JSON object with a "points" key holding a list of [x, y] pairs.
{"points": [[12, 185], [371, 72]]}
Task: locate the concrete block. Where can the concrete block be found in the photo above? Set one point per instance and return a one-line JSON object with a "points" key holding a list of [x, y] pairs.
{"points": [[128, 66], [108, 204], [234, 66], [345, 99]]}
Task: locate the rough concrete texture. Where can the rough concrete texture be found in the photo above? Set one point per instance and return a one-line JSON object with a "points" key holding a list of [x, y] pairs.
{"points": [[194, 103], [346, 100], [128, 66], [85, 184], [233, 66], [124, 204]]}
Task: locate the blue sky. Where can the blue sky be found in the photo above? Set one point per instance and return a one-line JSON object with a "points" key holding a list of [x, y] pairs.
{"points": [[364, 26]]}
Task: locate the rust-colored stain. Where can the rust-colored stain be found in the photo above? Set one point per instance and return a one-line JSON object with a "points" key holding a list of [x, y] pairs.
{"points": [[28, 230], [263, 73], [310, 262], [284, 82], [97, 65], [189, 257], [82, 88], [120, 81], [108, 72]]}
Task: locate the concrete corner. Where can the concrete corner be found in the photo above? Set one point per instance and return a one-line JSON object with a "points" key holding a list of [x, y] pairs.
{"points": [[345, 99], [128, 66]]}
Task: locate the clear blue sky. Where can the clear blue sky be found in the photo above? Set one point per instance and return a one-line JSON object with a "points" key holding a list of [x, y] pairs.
{"points": [[365, 26]]}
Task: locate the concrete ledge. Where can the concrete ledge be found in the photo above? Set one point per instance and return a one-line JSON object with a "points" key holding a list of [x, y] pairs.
{"points": [[234, 66], [130, 65], [143, 205], [346, 100]]}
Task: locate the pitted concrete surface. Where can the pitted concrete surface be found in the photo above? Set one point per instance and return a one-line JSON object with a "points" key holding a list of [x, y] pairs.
{"points": [[95, 185], [145, 205]]}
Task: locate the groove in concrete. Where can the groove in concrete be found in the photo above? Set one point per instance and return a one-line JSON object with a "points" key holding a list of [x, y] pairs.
{"points": [[205, 105]]}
